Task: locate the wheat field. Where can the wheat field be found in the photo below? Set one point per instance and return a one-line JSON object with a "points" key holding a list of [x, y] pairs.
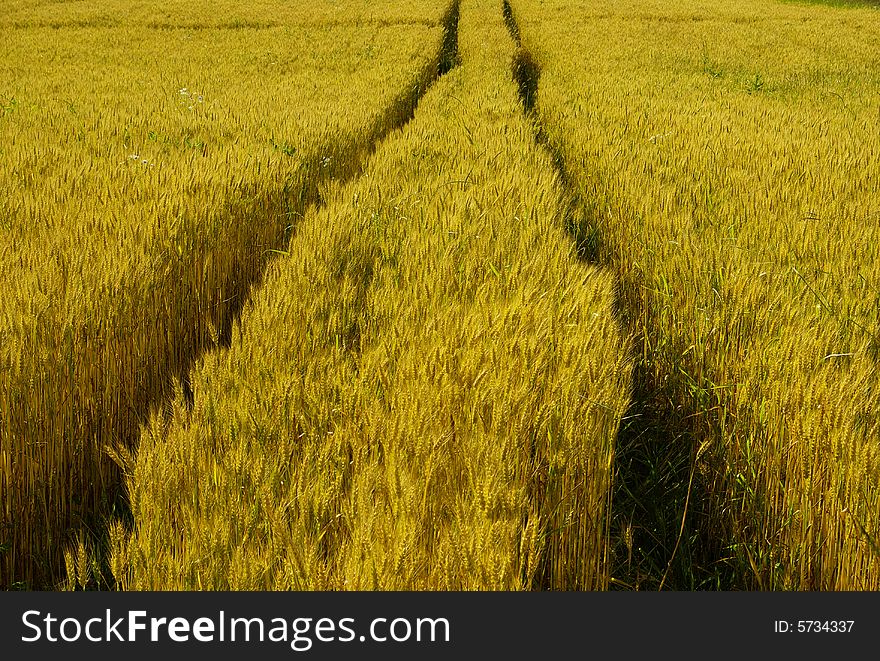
{"points": [[727, 154], [140, 203], [424, 391], [439, 295]]}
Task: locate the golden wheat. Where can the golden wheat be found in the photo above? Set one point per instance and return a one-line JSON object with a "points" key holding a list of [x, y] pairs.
{"points": [[422, 394], [729, 153], [138, 203], [206, 14]]}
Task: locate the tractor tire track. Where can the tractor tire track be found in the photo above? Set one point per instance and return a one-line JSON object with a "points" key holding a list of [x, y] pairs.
{"points": [[658, 509]]}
